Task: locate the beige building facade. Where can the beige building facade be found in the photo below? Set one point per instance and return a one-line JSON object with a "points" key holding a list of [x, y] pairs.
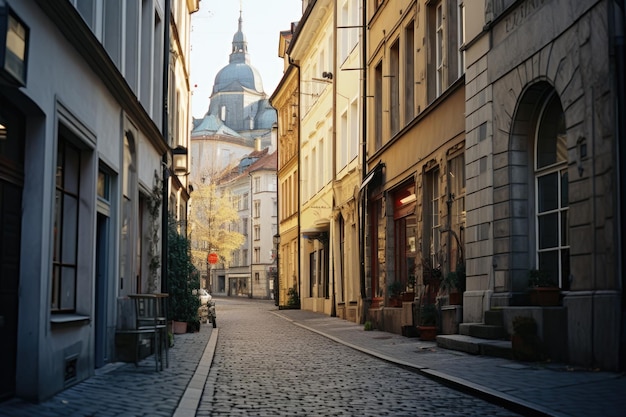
{"points": [[311, 50], [286, 101]]}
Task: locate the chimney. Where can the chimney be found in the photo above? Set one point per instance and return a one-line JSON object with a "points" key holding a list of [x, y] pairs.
{"points": [[257, 144]]}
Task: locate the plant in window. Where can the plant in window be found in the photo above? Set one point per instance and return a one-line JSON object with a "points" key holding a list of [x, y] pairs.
{"points": [[539, 278]]}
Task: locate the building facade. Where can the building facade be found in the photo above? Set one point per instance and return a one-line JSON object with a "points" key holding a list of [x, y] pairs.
{"points": [[88, 135], [312, 50], [544, 127], [224, 144], [286, 101]]}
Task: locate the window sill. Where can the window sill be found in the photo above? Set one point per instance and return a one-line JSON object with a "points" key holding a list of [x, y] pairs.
{"points": [[63, 320]]}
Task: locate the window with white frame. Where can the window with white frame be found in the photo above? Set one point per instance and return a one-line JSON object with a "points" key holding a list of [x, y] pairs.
{"points": [[66, 226], [394, 87], [552, 196], [257, 209], [409, 72], [445, 38], [257, 255], [257, 232]]}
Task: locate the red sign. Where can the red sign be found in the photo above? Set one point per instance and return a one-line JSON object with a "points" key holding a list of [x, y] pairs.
{"points": [[212, 258]]}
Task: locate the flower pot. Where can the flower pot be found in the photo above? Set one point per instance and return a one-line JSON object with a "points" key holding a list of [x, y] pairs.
{"points": [[407, 297], [377, 302], [545, 296], [179, 327], [455, 298], [428, 332]]}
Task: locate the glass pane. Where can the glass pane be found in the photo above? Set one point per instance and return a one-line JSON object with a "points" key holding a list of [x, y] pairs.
{"points": [[70, 229], [564, 229], [68, 283], [72, 169], [564, 189], [551, 138], [548, 231], [547, 192], [549, 262], [55, 287], [57, 227], [565, 270]]}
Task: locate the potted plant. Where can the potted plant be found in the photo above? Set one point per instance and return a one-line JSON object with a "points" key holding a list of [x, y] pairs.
{"points": [[428, 322], [431, 274], [525, 344], [409, 294], [544, 290], [182, 279], [454, 284], [394, 294]]}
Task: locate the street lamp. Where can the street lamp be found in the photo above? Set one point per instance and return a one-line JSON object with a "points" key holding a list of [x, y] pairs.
{"points": [[179, 160], [14, 36]]}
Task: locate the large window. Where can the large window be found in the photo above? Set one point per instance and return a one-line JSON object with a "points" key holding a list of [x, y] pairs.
{"points": [[405, 231], [445, 38], [456, 200], [66, 209], [394, 88], [378, 106], [551, 185], [431, 247], [128, 225], [409, 73]]}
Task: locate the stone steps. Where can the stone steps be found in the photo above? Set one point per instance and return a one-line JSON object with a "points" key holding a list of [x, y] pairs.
{"points": [[475, 345]]}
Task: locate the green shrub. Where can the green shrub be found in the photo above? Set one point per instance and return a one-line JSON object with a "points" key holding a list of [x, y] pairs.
{"points": [[182, 279], [368, 326]]}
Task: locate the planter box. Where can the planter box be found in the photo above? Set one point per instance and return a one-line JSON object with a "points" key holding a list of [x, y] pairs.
{"points": [[428, 332], [545, 296], [179, 327]]}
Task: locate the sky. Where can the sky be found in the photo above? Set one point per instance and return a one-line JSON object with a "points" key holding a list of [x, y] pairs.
{"points": [[212, 30]]}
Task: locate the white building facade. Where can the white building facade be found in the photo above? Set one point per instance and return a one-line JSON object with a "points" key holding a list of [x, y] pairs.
{"points": [[86, 145]]}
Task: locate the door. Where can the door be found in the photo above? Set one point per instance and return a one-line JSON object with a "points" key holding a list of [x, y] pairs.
{"points": [[101, 295], [11, 184]]}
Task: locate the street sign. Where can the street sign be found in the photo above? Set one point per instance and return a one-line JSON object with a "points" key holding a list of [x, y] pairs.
{"points": [[212, 258]]}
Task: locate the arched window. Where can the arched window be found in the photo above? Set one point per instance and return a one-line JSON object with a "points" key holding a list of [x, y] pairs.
{"points": [[551, 190]]}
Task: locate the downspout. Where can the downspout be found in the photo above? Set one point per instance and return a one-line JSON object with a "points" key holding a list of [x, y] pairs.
{"points": [[166, 156], [251, 253], [363, 154], [333, 307], [299, 182], [617, 40]]}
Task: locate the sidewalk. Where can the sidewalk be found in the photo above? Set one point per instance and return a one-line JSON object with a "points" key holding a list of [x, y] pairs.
{"points": [[123, 389], [528, 388]]}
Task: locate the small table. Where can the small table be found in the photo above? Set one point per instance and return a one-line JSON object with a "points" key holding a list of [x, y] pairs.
{"points": [[151, 318]]}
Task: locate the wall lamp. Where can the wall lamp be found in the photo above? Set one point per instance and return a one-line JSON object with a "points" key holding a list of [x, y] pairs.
{"points": [[14, 37], [179, 160], [327, 75]]}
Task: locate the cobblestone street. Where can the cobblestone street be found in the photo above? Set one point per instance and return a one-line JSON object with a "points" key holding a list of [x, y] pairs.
{"points": [[266, 366]]}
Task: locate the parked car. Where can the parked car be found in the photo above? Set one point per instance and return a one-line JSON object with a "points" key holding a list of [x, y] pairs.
{"points": [[204, 296]]}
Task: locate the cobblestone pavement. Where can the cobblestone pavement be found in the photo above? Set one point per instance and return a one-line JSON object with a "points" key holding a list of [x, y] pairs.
{"points": [[123, 389], [266, 366]]}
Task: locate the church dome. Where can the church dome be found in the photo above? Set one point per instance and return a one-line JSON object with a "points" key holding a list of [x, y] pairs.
{"points": [[238, 73]]}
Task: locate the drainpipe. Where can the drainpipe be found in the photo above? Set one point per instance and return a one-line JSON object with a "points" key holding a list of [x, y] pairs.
{"points": [[166, 156], [363, 152], [333, 307], [299, 182]]}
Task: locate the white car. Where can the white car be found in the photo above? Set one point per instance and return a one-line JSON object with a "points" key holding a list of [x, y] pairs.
{"points": [[204, 296]]}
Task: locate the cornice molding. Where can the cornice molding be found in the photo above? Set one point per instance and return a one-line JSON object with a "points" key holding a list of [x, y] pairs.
{"points": [[69, 22]]}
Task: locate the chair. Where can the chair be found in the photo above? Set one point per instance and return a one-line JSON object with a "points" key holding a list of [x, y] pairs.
{"points": [[151, 318]]}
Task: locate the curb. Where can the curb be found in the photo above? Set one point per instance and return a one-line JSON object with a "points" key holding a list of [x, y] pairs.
{"points": [[190, 400]]}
